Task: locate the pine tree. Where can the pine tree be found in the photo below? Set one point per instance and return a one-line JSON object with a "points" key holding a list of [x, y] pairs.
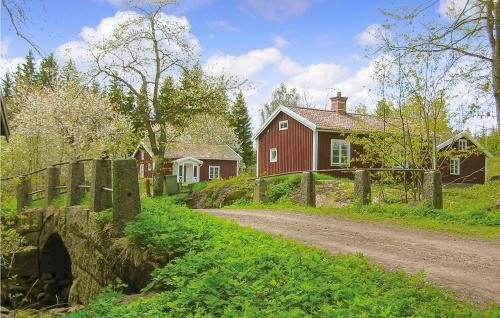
{"points": [[48, 72], [28, 69], [117, 96], [69, 72], [7, 84], [240, 121]]}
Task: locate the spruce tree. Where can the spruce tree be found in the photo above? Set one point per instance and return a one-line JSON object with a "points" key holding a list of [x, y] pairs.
{"points": [[7, 84], [240, 121], [117, 96], [48, 72], [28, 69]]}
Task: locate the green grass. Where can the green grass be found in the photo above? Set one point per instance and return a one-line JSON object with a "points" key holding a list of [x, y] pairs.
{"points": [[220, 269], [493, 167]]}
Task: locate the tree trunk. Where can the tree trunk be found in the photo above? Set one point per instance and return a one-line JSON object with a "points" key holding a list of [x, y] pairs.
{"points": [[159, 175]]}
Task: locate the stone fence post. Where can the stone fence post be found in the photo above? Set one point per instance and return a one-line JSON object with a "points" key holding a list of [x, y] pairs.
{"points": [[126, 200], [259, 193], [362, 186], [101, 177], [432, 192], [24, 196], [76, 177], [53, 175], [307, 189]]}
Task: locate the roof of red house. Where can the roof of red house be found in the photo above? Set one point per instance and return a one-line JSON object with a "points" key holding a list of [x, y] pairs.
{"points": [[197, 151], [201, 151], [327, 119]]}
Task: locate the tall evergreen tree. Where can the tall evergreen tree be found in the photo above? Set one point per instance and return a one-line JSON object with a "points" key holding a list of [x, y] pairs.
{"points": [[117, 96], [48, 72], [28, 69], [7, 84], [69, 72], [240, 121]]}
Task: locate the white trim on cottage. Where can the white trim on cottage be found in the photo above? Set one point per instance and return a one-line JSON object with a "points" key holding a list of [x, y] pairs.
{"points": [[464, 134], [290, 113]]}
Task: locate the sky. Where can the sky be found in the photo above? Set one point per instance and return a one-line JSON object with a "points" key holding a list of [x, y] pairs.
{"points": [[317, 46]]}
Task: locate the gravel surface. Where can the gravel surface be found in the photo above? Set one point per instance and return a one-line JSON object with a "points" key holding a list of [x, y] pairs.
{"points": [[469, 266]]}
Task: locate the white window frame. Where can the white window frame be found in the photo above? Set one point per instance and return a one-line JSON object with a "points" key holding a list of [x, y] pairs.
{"points": [[457, 172], [283, 122], [149, 166], [142, 154], [341, 142], [141, 170], [462, 144], [211, 172], [271, 155]]}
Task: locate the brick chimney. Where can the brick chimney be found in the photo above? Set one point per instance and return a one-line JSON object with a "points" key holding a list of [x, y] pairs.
{"points": [[339, 103]]}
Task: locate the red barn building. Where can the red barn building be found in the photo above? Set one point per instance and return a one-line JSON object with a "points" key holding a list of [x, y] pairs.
{"points": [[303, 139], [191, 162]]}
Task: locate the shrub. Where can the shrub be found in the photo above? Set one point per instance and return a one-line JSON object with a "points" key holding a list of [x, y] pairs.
{"points": [[220, 269]]}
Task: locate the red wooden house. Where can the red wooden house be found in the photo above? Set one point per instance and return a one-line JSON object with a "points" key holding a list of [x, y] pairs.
{"points": [[303, 139], [191, 162]]}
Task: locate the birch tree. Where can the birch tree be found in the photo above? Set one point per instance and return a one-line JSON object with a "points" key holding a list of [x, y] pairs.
{"points": [[154, 56], [469, 29]]}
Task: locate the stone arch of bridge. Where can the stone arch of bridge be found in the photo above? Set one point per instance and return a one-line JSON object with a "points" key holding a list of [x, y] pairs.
{"points": [[55, 274]]}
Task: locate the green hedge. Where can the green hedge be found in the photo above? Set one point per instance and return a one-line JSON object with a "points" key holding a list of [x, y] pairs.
{"points": [[219, 269]]}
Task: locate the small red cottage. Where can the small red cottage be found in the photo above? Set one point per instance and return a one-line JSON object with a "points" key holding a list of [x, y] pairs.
{"points": [[191, 162], [305, 139]]}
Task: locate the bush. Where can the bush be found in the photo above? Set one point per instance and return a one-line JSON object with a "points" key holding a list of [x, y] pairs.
{"points": [[220, 269], [283, 187]]}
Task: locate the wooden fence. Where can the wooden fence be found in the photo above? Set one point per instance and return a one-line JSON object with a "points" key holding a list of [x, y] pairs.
{"points": [[113, 184], [429, 180]]}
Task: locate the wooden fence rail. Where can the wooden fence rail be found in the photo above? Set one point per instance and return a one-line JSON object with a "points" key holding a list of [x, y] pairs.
{"points": [[121, 193], [431, 184]]}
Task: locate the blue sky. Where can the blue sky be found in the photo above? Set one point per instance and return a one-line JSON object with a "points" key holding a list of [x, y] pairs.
{"points": [[317, 46]]}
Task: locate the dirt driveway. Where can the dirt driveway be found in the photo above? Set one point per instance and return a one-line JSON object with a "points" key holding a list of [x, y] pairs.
{"points": [[469, 266]]}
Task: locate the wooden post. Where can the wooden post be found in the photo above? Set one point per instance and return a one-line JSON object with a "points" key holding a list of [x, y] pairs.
{"points": [[101, 177], [24, 196], [259, 193], [76, 177], [126, 199], [307, 189], [171, 185], [51, 182], [362, 187], [147, 182], [433, 189]]}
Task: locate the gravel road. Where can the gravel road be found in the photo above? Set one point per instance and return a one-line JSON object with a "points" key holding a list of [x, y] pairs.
{"points": [[469, 266]]}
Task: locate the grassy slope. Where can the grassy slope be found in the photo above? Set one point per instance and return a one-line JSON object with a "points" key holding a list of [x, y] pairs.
{"points": [[220, 269]]}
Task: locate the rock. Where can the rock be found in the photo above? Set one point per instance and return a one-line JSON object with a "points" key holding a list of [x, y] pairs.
{"points": [[497, 177], [498, 204], [4, 311]]}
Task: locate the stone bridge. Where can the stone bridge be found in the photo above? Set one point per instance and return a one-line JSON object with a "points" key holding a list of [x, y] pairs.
{"points": [[72, 255], [73, 252]]}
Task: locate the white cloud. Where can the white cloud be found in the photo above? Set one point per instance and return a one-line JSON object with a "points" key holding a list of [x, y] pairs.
{"points": [[279, 41], [279, 9], [245, 65], [211, 36], [224, 25], [287, 66], [449, 8], [79, 50], [372, 35], [4, 46]]}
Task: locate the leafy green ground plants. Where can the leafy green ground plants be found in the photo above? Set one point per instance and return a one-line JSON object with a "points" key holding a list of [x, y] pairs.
{"points": [[220, 269]]}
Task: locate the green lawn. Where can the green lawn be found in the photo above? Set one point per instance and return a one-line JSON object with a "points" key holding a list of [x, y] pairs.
{"points": [[220, 269]]}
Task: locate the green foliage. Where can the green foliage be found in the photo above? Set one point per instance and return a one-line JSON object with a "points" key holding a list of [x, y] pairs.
{"points": [[281, 96], [240, 121], [282, 187], [200, 186], [219, 269], [48, 72]]}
